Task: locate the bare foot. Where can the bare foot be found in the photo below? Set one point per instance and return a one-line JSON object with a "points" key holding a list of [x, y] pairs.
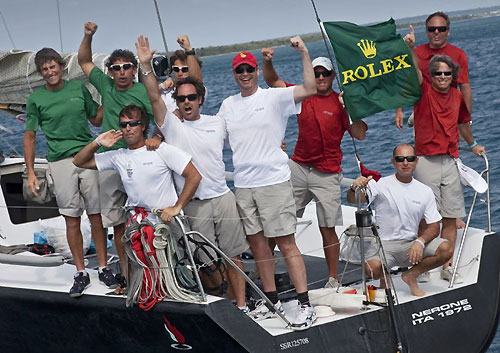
{"points": [[411, 280]]}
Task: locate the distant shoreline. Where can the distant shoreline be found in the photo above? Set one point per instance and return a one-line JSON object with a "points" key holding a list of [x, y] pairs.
{"points": [[313, 37]]}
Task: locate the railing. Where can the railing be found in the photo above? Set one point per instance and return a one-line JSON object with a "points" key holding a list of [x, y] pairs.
{"points": [[486, 172]]}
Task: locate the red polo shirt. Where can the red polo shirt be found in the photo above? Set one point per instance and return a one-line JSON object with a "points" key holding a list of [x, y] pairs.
{"points": [[425, 53], [437, 116], [322, 123]]}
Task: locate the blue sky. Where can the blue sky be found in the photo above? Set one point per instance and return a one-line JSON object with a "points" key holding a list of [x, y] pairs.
{"points": [[33, 24]]}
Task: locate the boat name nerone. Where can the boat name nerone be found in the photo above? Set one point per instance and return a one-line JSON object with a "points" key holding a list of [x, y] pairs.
{"points": [[384, 67], [294, 343], [440, 311]]}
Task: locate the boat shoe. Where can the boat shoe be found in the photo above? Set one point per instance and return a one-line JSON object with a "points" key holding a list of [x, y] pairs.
{"points": [[305, 318], [262, 312], [81, 282], [448, 272], [107, 278]]}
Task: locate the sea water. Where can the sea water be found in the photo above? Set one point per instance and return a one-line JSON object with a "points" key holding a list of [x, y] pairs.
{"points": [[480, 38]]}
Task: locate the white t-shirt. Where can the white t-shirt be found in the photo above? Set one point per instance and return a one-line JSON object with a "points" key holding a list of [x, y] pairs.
{"points": [[203, 139], [146, 175], [171, 103], [399, 207], [256, 126]]}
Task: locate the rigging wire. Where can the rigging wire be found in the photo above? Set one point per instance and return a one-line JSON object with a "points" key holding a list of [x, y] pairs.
{"points": [[7, 30], [60, 30], [162, 33]]}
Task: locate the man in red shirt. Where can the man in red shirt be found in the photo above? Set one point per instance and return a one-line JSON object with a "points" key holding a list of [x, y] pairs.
{"points": [[438, 30], [439, 116], [315, 164]]}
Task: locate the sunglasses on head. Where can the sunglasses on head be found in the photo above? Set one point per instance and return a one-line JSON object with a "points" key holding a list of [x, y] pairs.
{"points": [[190, 97], [439, 28], [118, 67], [400, 159], [240, 69], [325, 73], [180, 68], [132, 123], [439, 73]]}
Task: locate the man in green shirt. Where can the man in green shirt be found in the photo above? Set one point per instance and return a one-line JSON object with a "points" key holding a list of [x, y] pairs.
{"points": [[62, 110], [117, 90]]}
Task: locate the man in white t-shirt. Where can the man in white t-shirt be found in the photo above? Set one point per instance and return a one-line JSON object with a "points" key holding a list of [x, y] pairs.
{"points": [[256, 122], [401, 202], [212, 210], [146, 175]]}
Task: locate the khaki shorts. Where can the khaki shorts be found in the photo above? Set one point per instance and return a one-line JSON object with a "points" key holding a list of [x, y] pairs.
{"points": [[219, 221], [440, 173], [308, 184], [267, 208], [113, 198], [396, 251], [75, 188]]}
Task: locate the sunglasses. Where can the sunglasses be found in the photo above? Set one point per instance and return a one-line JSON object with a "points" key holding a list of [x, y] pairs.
{"points": [[240, 69], [180, 68], [439, 73], [439, 28], [191, 97], [400, 159], [118, 67], [132, 123], [325, 73]]}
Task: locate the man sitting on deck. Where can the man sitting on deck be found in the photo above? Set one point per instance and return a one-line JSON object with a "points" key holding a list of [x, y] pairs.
{"points": [[400, 203]]}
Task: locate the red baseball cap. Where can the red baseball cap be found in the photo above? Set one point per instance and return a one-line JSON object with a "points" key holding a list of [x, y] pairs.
{"points": [[244, 58]]}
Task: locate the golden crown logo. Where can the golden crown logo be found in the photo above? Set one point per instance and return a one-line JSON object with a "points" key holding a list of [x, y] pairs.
{"points": [[243, 55], [368, 48]]}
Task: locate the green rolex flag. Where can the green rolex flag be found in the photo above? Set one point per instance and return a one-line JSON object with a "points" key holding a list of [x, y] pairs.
{"points": [[376, 70]]}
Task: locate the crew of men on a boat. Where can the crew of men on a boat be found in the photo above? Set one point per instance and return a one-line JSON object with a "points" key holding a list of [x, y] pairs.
{"points": [[180, 167]]}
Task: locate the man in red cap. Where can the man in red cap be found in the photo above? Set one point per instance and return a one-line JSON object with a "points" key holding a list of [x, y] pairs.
{"points": [[315, 163], [256, 122]]}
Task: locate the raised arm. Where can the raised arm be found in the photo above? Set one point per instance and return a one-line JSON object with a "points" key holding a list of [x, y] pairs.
{"points": [[85, 50], [85, 158], [192, 60], [308, 87], [270, 76], [29, 160], [410, 42], [145, 55], [193, 178]]}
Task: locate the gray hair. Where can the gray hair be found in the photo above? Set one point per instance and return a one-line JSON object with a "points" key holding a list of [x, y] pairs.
{"points": [[443, 59]]}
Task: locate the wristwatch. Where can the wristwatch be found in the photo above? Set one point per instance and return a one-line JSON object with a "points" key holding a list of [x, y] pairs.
{"points": [[190, 52]]}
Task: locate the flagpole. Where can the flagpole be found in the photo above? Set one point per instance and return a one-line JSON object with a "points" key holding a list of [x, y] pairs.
{"points": [[331, 55]]}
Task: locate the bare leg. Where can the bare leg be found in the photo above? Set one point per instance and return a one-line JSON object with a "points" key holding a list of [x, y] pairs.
{"points": [[294, 261], [119, 230], [443, 254], [99, 238], [237, 281], [75, 241], [449, 232], [331, 248], [263, 260]]}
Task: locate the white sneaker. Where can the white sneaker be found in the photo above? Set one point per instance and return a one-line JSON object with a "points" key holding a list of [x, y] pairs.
{"points": [[447, 273], [332, 283], [262, 312], [305, 318], [424, 277]]}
